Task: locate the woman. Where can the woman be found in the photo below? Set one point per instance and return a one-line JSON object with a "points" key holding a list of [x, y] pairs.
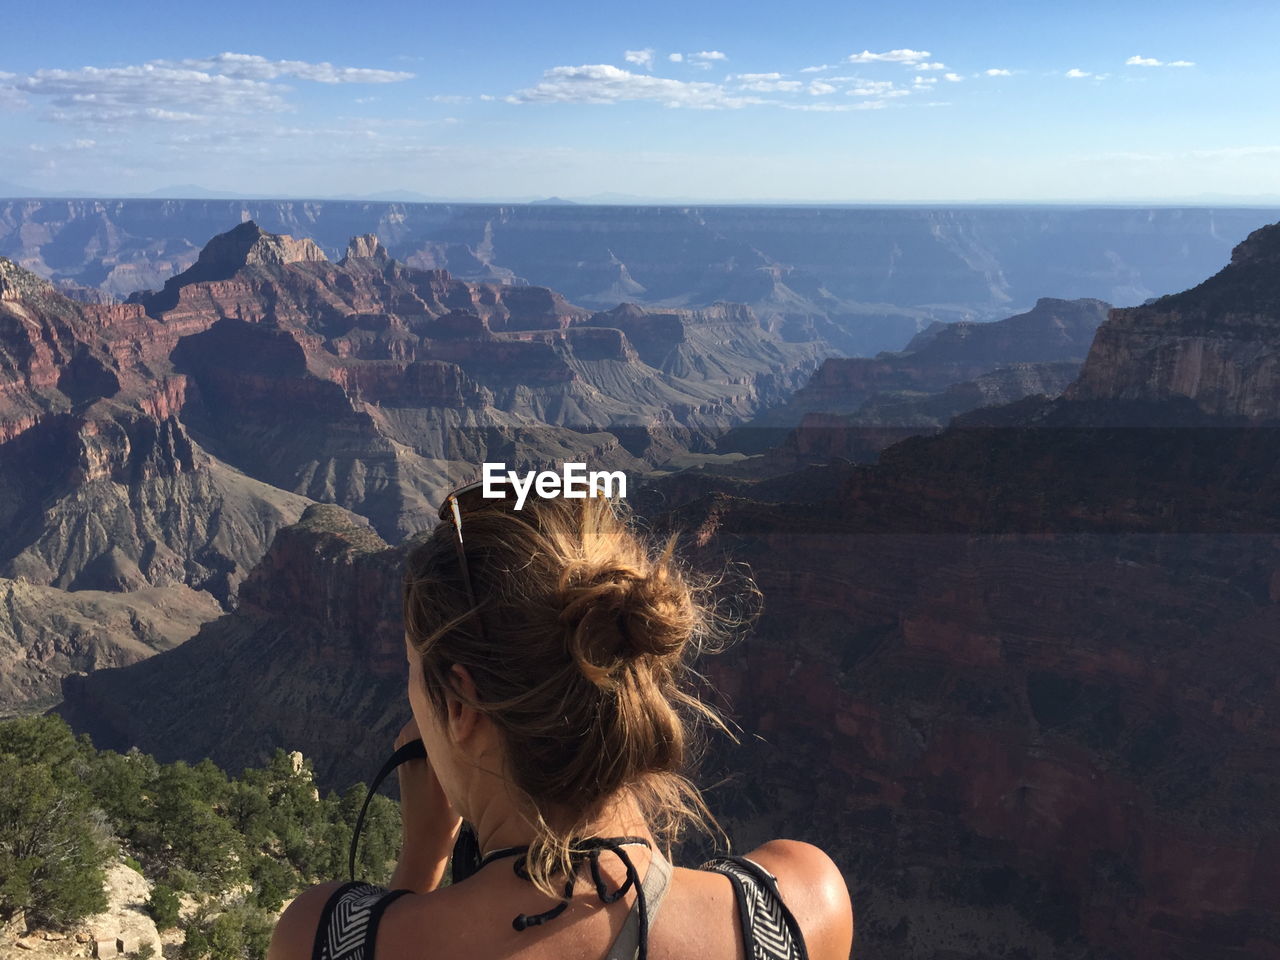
{"points": [[547, 655]]}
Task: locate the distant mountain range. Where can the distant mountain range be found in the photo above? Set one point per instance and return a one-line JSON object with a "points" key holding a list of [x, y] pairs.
{"points": [[192, 191], [863, 280]]}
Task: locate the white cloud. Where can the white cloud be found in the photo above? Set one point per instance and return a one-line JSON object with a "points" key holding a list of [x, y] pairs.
{"points": [[925, 81], [999, 72], [953, 77], [9, 95], [115, 115], [882, 94], [68, 147], [450, 98], [487, 97], [675, 57], [818, 69], [928, 66], [871, 88], [1137, 61], [147, 92], [704, 58], [892, 56], [1076, 74], [253, 67], [773, 86], [641, 58], [188, 90], [601, 83]]}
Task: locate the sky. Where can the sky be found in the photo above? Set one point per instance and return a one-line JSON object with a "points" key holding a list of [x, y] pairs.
{"points": [[919, 101]]}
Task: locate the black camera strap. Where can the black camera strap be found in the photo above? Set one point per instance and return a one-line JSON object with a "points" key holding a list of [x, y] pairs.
{"points": [[466, 851]]}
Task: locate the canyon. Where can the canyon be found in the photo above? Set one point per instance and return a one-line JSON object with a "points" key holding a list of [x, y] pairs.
{"points": [[1015, 672], [160, 444], [1017, 676], [853, 407]]}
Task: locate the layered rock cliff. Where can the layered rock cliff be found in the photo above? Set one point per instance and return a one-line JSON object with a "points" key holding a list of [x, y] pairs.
{"points": [[1055, 331], [103, 489], [163, 442], [321, 609], [1217, 344], [854, 407], [47, 633], [372, 384]]}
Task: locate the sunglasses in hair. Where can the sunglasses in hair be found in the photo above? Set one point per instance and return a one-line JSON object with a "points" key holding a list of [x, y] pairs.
{"points": [[471, 496]]}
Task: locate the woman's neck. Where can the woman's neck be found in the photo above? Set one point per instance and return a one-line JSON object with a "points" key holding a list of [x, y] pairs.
{"points": [[501, 824]]}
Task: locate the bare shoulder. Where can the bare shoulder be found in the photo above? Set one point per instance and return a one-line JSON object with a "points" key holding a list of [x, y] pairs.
{"points": [[815, 891], [295, 931]]}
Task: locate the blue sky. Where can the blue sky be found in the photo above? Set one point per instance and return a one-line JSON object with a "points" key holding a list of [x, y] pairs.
{"points": [[919, 101]]}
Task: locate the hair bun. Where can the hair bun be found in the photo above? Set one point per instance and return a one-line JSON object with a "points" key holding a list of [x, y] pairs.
{"points": [[617, 614]]}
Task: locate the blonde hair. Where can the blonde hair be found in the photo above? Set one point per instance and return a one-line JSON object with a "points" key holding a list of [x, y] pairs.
{"points": [[582, 660]]}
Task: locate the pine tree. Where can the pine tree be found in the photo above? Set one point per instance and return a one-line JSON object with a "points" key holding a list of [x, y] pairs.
{"points": [[53, 844]]}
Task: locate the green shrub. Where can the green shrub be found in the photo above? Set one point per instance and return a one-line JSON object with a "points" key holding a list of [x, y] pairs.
{"points": [[241, 932], [195, 945], [273, 882], [188, 828], [183, 880], [190, 833], [163, 905], [53, 849]]}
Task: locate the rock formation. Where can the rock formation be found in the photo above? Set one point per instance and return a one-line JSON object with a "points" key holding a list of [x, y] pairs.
{"points": [[318, 619], [161, 443], [47, 633], [371, 384], [103, 489], [1217, 344], [853, 407], [366, 247]]}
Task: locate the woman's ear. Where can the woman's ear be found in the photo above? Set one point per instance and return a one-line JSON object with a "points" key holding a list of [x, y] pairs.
{"points": [[463, 719]]}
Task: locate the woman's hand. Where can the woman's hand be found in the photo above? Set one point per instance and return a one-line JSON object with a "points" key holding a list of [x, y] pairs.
{"points": [[429, 824]]}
